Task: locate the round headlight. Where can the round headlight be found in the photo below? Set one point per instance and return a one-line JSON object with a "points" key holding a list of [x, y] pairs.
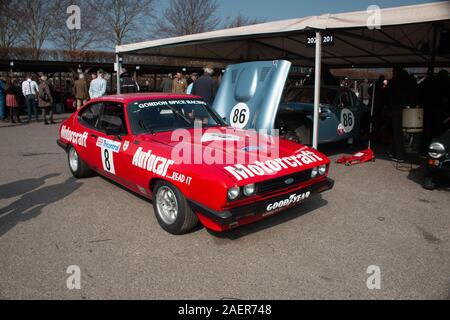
{"points": [[314, 172], [322, 170], [249, 189], [436, 150], [233, 193]]}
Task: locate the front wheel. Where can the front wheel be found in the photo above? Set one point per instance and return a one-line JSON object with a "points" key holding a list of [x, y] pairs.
{"points": [[77, 166], [429, 183], [350, 141], [172, 210]]}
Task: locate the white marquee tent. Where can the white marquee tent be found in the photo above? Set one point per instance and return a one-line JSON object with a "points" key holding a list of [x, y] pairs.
{"points": [[415, 36]]}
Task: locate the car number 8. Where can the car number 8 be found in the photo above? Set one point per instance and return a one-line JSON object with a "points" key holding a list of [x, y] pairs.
{"points": [[239, 116], [108, 161]]}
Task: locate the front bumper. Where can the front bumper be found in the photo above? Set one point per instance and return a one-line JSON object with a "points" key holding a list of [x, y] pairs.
{"points": [[440, 167], [258, 210]]}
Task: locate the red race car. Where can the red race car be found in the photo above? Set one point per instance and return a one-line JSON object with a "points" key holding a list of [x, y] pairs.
{"points": [[177, 151]]}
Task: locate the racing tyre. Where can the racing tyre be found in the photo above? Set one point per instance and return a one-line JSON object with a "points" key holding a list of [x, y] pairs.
{"points": [[77, 166], [172, 209]]}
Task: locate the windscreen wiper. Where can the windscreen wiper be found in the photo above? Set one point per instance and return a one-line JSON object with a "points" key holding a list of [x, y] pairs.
{"points": [[143, 126], [180, 114]]}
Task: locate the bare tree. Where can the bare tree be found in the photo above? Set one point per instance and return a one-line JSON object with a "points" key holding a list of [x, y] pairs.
{"points": [[184, 17], [126, 20], [10, 21], [40, 19], [240, 20], [92, 30]]}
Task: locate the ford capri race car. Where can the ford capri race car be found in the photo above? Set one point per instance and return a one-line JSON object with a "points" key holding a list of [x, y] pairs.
{"points": [[160, 146]]}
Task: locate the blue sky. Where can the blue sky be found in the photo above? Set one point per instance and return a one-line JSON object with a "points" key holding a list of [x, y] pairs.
{"points": [[284, 9]]}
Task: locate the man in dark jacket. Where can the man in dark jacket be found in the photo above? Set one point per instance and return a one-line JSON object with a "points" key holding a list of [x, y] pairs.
{"points": [[166, 85], [127, 84], [401, 92], [45, 101], [205, 86]]}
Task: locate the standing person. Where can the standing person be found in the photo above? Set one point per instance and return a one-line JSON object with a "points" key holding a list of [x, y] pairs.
{"points": [[179, 85], [30, 90], [146, 87], [12, 101], [442, 106], [435, 100], [2, 101], [192, 79], [127, 84], [81, 91], [166, 85], [45, 100], [98, 85], [93, 76], [400, 94], [364, 94], [205, 86], [378, 103]]}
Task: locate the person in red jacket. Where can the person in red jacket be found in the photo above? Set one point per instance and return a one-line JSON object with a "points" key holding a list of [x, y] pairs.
{"points": [[12, 100]]}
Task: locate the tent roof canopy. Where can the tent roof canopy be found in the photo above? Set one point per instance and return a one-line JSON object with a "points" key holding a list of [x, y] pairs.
{"points": [[406, 37]]}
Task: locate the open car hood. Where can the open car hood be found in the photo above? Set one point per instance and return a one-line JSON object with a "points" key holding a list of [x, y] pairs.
{"points": [[250, 93]]}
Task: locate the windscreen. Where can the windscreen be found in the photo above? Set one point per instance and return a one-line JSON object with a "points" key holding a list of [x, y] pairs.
{"points": [[306, 95], [150, 116]]}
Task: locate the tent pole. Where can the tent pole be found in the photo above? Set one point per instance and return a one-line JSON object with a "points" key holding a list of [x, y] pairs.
{"points": [[371, 113], [431, 65], [118, 66], [317, 81]]}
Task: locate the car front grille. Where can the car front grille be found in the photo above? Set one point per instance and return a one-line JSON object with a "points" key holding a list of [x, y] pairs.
{"points": [[284, 182]]}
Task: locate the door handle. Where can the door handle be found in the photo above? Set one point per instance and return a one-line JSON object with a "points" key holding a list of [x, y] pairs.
{"points": [[94, 135]]}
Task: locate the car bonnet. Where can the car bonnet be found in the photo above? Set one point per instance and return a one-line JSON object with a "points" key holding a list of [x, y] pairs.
{"points": [[246, 153], [250, 93]]}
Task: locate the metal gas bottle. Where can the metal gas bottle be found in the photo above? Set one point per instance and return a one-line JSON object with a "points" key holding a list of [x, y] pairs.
{"points": [[412, 120]]}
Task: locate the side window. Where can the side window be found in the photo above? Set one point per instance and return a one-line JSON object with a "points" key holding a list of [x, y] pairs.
{"points": [[113, 116], [345, 99], [90, 115]]}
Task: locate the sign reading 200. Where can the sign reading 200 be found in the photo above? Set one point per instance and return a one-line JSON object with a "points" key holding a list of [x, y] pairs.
{"points": [[327, 40]]}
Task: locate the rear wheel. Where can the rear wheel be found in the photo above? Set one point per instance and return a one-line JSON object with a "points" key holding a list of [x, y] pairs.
{"points": [[172, 209], [77, 166]]}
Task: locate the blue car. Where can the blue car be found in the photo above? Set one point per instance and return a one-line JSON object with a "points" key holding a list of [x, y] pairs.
{"points": [[252, 95], [340, 114]]}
